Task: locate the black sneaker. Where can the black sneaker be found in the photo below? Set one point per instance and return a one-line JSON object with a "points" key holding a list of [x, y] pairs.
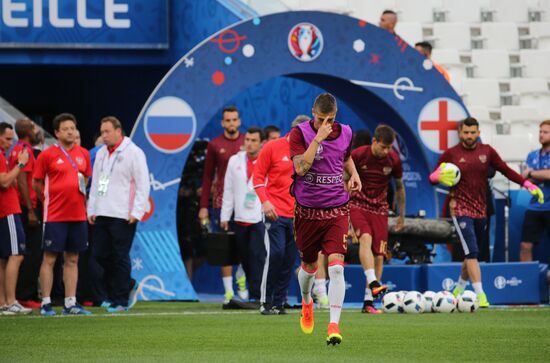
{"points": [[265, 309], [278, 310], [377, 289]]}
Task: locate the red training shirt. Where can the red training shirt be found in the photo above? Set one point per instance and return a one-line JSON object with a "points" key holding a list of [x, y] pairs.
{"points": [[9, 202], [375, 176], [29, 167], [273, 176], [469, 197], [218, 152], [63, 202]]}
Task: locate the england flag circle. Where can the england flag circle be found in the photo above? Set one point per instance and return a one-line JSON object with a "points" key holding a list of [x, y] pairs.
{"points": [[438, 123]]}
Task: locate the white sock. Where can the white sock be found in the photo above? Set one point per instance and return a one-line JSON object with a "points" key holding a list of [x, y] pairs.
{"points": [[336, 291], [46, 301], [461, 283], [228, 284], [70, 301], [320, 288], [240, 272], [477, 287], [368, 295], [369, 273], [306, 279]]}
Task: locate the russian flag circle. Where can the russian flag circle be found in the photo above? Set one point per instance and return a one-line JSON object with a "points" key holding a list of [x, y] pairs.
{"points": [[170, 124]]}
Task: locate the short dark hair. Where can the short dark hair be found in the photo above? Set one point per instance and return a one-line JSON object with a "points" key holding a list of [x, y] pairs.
{"points": [[384, 134], [4, 126], [271, 128], [325, 103], [23, 127], [360, 138], [257, 130], [468, 121], [57, 120], [113, 120], [425, 45], [230, 109], [388, 11]]}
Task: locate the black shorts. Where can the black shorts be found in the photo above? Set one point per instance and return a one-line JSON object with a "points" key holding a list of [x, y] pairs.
{"points": [[534, 224]]}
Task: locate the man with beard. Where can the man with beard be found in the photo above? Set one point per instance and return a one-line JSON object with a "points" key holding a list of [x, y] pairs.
{"points": [[468, 198], [218, 152], [537, 216]]}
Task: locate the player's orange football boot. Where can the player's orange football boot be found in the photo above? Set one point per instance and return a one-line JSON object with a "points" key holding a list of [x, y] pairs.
{"points": [[306, 320], [334, 337], [377, 289]]}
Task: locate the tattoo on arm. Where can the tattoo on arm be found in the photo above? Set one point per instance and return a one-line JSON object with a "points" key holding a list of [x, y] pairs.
{"points": [[301, 165], [399, 184]]}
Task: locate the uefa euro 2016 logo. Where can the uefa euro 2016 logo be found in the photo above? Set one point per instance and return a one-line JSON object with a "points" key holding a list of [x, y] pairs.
{"points": [[305, 42]]}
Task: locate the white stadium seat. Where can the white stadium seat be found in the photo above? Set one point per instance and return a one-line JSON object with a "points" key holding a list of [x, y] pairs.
{"points": [[481, 113], [514, 147], [540, 33], [452, 35], [335, 6], [450, 60], [491, 63], [534, 92], [486, 125], [415, 10], [410, 32], [510, 10], [535, 63], [468, 11], [500, 36], [519, 114], [481, 92], [370, 10]]}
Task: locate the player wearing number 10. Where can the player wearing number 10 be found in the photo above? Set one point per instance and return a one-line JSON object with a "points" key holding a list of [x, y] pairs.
{"points": [[468, 198]]}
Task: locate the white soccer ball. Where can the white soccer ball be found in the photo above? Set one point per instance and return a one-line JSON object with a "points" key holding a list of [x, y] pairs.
{"points": [[413, 303], [468, 302], [392, 303], [428, 301], [444, 302], [402, 294], [456, 171]]}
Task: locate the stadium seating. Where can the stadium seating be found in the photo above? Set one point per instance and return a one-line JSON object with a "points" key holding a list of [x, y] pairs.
{"points": [[452, 35], [481, 92], [493, 63], [509, 10], [535, 63], [500, 36], [415, 10], [450, 60], [468, 11], [370, 10], [410, 32], [514, 148], [539, 33]]}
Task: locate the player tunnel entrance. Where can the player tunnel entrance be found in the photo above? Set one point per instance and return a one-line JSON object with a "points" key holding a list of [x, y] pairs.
{"points": [[376, 77], [277, 102]]}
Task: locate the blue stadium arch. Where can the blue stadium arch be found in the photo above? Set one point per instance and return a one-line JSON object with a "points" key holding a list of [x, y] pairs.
{"points": [[376, 74]]}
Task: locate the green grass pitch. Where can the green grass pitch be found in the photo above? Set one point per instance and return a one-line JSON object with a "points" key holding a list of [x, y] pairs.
{"points": [[197, 332]]}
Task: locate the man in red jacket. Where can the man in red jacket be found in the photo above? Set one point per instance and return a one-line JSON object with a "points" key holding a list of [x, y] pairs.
{"points": [[272, 180]]}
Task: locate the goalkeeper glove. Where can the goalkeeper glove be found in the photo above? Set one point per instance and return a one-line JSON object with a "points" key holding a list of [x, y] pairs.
{"points": [[445, 177], [534, 190]]}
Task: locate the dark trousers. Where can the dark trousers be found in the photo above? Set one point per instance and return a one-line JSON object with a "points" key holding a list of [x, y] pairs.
{"points": [[251, 252], [112, 241], [27, 283], [281, 257]]}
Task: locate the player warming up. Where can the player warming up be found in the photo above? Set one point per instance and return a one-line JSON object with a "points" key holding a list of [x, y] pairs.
{"points": [[320, 150], [376, 165], [467, 203]]}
